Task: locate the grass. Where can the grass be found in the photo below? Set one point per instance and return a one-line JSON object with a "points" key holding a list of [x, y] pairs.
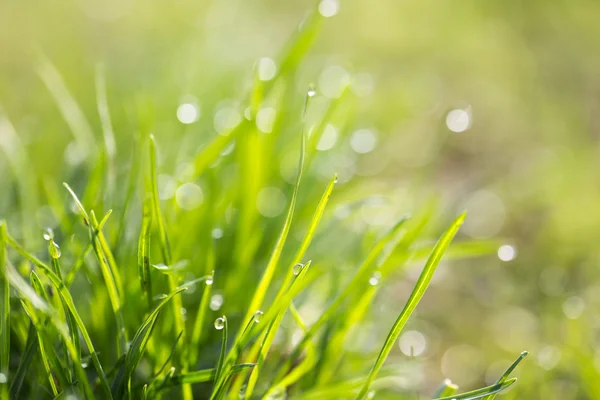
{"points": [[125, 309]]}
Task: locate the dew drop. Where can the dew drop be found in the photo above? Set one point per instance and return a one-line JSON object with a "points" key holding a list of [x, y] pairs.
{"points": [[220, 323], [54, 250], [209, 280], [297, 268], [257, 316], [48, 234], [311, 91]]}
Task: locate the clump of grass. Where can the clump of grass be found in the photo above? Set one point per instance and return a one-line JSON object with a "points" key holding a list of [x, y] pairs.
{"points": [[108, 318]]}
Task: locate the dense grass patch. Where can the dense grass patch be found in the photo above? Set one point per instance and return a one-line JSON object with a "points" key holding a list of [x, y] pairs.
{"points": [[136, 294]]}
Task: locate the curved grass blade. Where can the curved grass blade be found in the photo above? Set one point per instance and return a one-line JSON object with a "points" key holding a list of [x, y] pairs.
{"points": [[265, 282], [54, 256], [138, 346], [4, 312], [273, 318], [31, 313], [446, 389], [39, 304], [52, 364], [481, 393], [109, 273], [354, 286], [24, 364], [508, 371], [413, 300]]}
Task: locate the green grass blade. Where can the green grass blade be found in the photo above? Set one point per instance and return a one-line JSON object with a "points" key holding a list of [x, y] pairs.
{"points": [[177, 305], [354, 286], [222, 323], [199, 322], [165, 246], [273, 319], [39, 304], [54, 251], [144, 253], [4, 312], [507, 373], [481, 393], [140, 340], [263, 285], [446, 389], [110, 274], [413, 300], [32, 313], [52, 364], [24, 364]]}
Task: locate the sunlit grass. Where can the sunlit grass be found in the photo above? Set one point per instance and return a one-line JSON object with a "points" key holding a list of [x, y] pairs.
{"points": [[108, 315]]}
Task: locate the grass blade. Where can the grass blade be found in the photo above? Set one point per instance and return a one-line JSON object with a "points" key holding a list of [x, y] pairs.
{"points": [[26, 358], [273, 318], [263, 285], [199, 322], [39, 304], [138, 346], [32, 313], [50, 360], [108, 273], [220, 323], [508, 371], [413, 300], [179, 323], [144, 252], [446, 389], [481, 393]]}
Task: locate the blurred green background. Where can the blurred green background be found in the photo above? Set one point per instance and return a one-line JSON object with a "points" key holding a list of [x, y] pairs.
{"points": [[489, 106]]}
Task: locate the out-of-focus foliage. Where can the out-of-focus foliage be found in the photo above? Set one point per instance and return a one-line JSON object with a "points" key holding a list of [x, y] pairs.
{"points": [[518, 80]]}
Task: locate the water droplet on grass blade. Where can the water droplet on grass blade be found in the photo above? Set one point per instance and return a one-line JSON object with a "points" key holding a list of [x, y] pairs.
{"points": [[311, 91], [257, 316], [297, 268], [54, 250], [209, 281], [48, 234], [219, 323]]}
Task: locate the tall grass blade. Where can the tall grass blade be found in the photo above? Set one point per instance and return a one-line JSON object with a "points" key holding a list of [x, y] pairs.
{"points": [[413, 300], [144, 252], [179, 323]]}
